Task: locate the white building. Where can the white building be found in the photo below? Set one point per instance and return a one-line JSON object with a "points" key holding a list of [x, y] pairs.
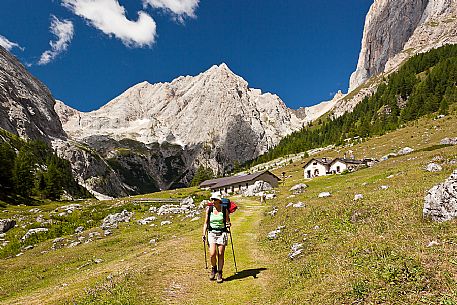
{"points": [[317, 167], [321, 167]]}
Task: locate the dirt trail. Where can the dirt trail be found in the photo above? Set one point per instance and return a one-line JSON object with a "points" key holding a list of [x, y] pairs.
{"points": [[174, 272], [189, 283]]}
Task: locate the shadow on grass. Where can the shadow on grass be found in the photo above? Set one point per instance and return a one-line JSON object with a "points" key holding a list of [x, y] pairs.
{"points": [[244, 274], [14, 199]]}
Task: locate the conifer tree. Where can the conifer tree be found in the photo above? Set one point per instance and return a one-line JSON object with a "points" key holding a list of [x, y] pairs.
{"points": [[23, 172]]}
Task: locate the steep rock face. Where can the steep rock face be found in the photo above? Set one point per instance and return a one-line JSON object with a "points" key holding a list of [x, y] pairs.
{"points": [[145, 168], [26, 105], [215, 109], [388, 26], [395, 31]]}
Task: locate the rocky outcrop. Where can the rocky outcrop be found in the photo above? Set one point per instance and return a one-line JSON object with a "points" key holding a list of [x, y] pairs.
{"points": [[441, 200], [112, 221], [396, 30], [215, 110], [6, 225], [26, 105]]}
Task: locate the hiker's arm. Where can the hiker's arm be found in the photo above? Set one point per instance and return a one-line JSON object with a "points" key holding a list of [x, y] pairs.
{"points": [[227, 220]]}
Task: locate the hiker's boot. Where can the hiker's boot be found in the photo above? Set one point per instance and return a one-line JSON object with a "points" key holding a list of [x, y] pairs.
{"points": [[212, 276], [219, 277]]}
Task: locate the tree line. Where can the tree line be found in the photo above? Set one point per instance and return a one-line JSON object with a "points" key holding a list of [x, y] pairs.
{"points": [[33, 169], [425, 84]]}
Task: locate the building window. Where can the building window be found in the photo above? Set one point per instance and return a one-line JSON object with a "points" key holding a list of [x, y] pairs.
{"points": [[314, 163], [308, 174], [316, 172], [247, 185], [338, 169]]}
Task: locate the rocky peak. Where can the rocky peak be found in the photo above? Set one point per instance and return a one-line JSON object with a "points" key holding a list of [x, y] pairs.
{"points": [[396, 30], [215, 108], [26, 105]]}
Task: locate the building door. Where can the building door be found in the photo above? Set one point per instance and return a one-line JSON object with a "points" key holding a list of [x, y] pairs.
{"points": [[308, 174]]}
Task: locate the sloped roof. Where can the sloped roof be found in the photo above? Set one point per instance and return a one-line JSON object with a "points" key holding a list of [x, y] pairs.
{"points": [[349, 161], [221, 182], [323, 161]]}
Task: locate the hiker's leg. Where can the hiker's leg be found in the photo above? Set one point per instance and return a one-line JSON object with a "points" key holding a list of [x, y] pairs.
{"points": [[213, 253], [220, 257]]}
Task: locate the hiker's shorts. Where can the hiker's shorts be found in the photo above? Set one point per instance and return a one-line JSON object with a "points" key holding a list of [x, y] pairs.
{"points": [[217, 237]]}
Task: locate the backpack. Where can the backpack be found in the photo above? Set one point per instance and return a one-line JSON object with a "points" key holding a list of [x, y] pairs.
{"points": [[230, 205]]}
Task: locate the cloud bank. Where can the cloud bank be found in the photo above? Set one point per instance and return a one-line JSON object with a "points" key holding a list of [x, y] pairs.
{"points": [[64, 32], [9, 45], [109, 17], [178, 8]]}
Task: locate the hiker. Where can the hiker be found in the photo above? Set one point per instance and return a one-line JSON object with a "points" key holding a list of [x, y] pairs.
{"points": [[217, 229]]}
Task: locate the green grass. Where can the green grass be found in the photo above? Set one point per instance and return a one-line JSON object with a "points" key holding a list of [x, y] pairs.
{"points": [[370, 251]]}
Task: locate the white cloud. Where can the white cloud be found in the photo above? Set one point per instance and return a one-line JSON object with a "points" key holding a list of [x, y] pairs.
{"points": [[64, 32], [9, 45], [110, 17], [178, 8]]}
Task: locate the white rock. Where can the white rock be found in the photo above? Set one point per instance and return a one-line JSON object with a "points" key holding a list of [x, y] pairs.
{"points": [[33, 232], [433, 243], [298, 188], [74, 244], [6, 225], [324, 195], [449, 141], [384, 187], [165, 222], [433, 167], [147, 220], [257, 189], [298, 205], [111, 221], [405, 151], [441, 200], [35, 210], [295, 250], [79, 230], [358, 197]]}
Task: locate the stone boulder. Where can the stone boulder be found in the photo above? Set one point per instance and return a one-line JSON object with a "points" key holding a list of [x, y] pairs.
{"points": [[33, 232], [111, 221], [449, 141], [405, 151], [275, 233], [257, 188], [6, 225], [324, 195], [358, 197], [388, 156], [441, 200], [298, 188], [295, 250], [147, 220], [433, 167]]}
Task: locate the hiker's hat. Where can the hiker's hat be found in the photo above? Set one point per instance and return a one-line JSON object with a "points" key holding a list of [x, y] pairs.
{"points": [[216, 195]]}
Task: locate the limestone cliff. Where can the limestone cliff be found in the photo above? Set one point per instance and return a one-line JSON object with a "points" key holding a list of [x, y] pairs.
{"points": [[395, 30]]}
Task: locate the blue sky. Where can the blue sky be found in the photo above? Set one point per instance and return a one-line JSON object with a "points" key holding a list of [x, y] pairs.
{"points": [[302, 50]]}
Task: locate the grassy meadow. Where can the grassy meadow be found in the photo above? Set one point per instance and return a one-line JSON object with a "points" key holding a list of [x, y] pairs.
{"points": [[377, 250]]}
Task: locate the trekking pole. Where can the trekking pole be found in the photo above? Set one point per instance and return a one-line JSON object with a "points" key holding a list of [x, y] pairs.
{"points": [[204, 249], [233, 251]]}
